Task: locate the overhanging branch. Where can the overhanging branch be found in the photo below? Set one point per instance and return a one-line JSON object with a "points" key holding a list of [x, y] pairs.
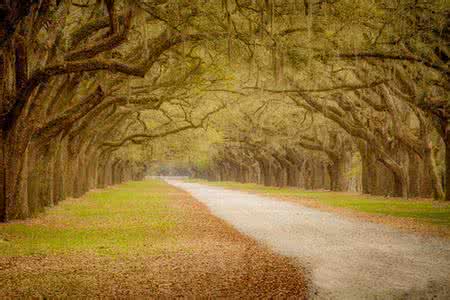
{"points": [[139, 137], [367, 55], [103, 45], [344, 87]]}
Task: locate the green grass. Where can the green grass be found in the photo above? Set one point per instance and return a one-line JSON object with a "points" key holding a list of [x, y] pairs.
{"points": [[422, 210], [132, 217]]}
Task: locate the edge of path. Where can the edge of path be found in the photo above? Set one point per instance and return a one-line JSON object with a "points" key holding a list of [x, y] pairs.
{"points": [[201, 256], [405, 224]]}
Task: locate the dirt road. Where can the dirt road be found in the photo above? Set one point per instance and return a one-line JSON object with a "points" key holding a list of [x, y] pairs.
{"points": [[346, 258]]}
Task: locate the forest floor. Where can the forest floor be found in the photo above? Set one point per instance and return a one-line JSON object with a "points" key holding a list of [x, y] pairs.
{"points": [[345, 258], [421, 216], [140, 239]]}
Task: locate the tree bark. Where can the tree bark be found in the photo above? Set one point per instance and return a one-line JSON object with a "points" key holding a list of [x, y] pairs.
{"points": [[3, 174], [430, 167], [414, 174], [13, 157], [401, 186], [337, 175], [447, 163]]}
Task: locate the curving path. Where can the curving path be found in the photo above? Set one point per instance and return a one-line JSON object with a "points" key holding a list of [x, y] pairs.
{"points": [[346, 258]]}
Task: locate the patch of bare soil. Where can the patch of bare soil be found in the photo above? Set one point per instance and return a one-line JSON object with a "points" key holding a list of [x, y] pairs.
{"points": [[206, 258]]}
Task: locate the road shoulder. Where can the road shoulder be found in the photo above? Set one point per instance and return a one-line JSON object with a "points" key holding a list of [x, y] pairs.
{"points": [[200, 256]]}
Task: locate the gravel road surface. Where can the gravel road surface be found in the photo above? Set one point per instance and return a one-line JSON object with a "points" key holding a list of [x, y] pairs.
{"points": [[345, 258]]}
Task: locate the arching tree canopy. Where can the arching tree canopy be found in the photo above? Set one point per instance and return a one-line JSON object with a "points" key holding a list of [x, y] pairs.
{"points": [[333, 94]]}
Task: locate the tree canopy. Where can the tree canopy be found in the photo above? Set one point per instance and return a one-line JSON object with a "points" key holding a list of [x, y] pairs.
{"points": [[332, 94]]}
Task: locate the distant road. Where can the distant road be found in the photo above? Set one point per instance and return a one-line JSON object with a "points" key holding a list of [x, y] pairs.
{"points": [[168, 177], [346, 258]]}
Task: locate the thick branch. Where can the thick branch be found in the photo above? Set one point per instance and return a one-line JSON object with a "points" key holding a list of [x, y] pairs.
{"points": [[367, 55], [136, 137], [344, 87], [315, 145], [70, 116], [88, 29], [103, 45], [132, 138], [21, 63], [42, 77]]}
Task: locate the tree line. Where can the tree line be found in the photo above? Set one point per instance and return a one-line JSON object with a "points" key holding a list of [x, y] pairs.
{"points": [[356, 98], [79, 81], [314, 93]]}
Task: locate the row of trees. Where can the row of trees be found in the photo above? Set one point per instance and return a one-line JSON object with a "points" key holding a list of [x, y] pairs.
{"points": [[277, 145], [368, 83], [80, 81], [316, 90]]}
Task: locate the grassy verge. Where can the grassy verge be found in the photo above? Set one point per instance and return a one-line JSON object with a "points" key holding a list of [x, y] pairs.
{"points": [[112, 221], [421, 211], [144, 240]]}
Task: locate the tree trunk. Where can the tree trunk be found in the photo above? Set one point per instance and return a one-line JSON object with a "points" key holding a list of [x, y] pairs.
{"points": [[32, 180], [447, 163], [266, 172], [401, 186], [3, 215], [13, 158], [431, 169], [59, 161], [24, 211], [369, 175], [12, 182], [292, 176], [414, 174], [365, 175], [337, 175]]}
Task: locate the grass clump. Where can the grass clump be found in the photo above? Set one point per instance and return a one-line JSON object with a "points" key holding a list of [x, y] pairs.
{"points": [[132, 217]]}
